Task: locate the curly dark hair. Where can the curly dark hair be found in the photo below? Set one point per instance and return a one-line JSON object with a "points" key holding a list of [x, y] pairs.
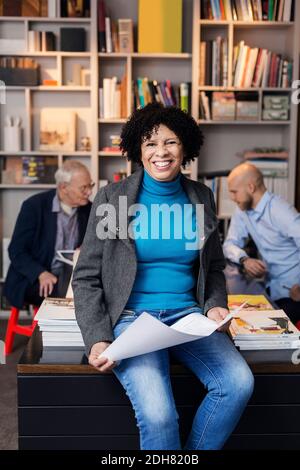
{"points": [[144, 121]]}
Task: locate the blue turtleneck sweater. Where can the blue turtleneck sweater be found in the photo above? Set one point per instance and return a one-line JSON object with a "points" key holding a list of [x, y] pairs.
{"points": [[165, 277]]}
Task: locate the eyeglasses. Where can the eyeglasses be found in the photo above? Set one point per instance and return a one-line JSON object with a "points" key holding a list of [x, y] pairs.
{"points": [[86, 187]]}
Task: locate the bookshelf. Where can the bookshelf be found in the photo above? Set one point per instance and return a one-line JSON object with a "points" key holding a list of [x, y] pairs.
{"points": [[224, 140], [155, 66], [27, 101]]}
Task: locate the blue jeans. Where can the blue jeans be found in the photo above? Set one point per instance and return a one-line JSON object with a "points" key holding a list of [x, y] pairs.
{"points": [[215, 362]]}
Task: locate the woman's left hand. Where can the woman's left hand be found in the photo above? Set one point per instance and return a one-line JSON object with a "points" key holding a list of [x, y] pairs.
{"points": [[218, 314]]}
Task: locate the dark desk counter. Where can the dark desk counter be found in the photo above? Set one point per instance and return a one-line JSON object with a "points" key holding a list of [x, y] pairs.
{"points": [[63, 403]]}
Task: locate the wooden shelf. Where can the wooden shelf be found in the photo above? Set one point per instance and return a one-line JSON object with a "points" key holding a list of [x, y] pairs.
{"points": [[232, 88], [244, 123], [49, 88], [110, 154], [141, 55], [45, 19], [27, 186], [47, 54], [112, 121], [263, 24], [49, 153]]}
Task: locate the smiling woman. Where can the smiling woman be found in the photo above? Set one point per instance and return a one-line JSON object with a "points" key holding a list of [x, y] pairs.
{"points": [[162, 154], [166, 130], [166, 275]]}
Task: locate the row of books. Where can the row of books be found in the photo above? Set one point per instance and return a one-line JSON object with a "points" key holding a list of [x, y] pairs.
{"points": [[113, 98], [114, 36], [7, 62], [260, 67], [247, 10], [28, 170], [258, 326], [213, 62], [147, 91], [252, 67], [41, 41]]}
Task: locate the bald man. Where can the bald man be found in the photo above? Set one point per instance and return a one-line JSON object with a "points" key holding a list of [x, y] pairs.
{"points": [[274, 225]]}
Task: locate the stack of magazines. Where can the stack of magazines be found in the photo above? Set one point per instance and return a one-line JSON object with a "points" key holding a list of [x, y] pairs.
{"points": [[257, 326], [57, 322]]}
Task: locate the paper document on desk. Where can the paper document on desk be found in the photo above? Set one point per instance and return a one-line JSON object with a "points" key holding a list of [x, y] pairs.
{"points": [[147, 334]]}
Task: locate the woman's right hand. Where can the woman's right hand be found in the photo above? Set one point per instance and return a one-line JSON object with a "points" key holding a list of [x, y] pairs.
{"points": [[103, 364]]}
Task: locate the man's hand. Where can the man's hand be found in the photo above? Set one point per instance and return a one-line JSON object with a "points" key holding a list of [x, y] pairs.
{"points": [[295, 292], [254, 267], [103, 364], [218, 314], [47, 281]]}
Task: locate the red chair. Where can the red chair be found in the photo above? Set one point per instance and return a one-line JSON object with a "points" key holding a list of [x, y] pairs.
{"points": [[13, 327], [298, 325]]}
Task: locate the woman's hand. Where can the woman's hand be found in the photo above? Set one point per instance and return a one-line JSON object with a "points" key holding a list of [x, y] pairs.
{"points": [[218, 314], [103, 364]]}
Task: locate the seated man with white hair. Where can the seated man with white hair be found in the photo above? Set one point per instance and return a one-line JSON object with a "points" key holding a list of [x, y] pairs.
{"points": [[47, 222]]}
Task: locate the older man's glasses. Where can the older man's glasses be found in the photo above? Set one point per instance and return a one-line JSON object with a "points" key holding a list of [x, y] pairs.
{"points": [[86, 187]]}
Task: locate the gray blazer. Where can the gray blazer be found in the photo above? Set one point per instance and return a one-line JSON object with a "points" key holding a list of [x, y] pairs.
{"points": [[106, 269]]}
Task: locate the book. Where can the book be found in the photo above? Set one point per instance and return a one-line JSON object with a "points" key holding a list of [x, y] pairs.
{"points": [[125, 35], [160, 26], [263, 325], [57, 129], [33, 169], [57, 322], [253, 302], [5, 256], [101, 26]]}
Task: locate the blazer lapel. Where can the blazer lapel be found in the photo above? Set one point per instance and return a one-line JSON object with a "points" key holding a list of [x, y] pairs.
{"points": [[128, 190], [196, 196]]}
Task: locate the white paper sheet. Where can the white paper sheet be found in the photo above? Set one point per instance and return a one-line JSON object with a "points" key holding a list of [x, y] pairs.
{"points": [[147, 334]]}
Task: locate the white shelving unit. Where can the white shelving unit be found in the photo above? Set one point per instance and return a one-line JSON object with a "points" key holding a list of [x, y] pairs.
{"points": [[27, 101], [158, 66], [225, 139]]}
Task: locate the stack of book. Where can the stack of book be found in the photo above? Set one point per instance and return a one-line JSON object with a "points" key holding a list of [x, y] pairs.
{"points": [[247, 10], [57, 322], [257, 326]]}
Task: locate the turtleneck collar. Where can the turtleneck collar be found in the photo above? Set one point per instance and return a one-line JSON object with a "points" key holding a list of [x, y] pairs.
{"points": [[166, 188]]}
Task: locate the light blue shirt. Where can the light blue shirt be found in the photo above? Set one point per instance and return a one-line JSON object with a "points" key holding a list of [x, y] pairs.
{"points": [[274, 226]]}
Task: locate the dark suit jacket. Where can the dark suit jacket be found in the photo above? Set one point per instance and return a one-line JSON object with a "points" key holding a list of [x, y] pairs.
{"points": [[106, 269], [32, 246]]}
